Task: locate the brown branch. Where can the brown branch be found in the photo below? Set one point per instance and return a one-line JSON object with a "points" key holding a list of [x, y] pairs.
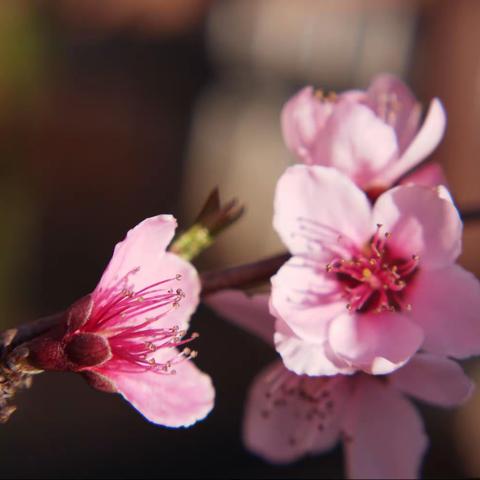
{"points": [[27, 331], [243, 275], [471, 214], [235, 277]]}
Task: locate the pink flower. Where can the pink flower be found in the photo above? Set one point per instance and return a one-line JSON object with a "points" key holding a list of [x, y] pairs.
{"points": [[124, 336], [372, 136], [367, 287], [289, 416]]}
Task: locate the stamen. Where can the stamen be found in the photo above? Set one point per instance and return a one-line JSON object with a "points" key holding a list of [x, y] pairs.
{"points": [[119, 315], [371, 280]]}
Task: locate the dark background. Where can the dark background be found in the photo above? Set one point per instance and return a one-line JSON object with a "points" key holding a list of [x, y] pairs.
{"points": [[114, 111]]}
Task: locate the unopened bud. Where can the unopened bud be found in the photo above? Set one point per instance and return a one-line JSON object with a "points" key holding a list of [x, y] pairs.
{"points": [[88, 350]]}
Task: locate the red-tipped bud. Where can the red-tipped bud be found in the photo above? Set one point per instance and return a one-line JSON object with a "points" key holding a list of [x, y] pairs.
{"points": [[88, 350]]}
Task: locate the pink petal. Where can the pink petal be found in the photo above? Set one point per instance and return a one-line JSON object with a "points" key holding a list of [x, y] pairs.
{"points": [[356, 142], [177, 400], [305, 298], [303, 116], [250, 313], [314, 206], [393, 101], [433, 379], [429, 175], [421, 223], [385, 437], [446, 305], [143, 247], [306, 358], [169, 266], [376, 343], [281, 425], [427, 139]]}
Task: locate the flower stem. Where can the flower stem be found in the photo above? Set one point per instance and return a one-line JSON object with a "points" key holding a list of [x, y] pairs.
{"points": [[242, 275]]}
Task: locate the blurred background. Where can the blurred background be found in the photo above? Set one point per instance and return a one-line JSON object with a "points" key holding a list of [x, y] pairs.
{"points": [[115, 110]]}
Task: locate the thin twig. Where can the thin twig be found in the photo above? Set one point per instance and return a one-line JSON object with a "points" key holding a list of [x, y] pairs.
{"points": [[243, 275], [470, 215], [235, 277]]}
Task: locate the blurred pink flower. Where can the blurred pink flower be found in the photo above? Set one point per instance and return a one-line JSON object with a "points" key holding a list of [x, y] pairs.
{"points": [[367, 286], [123, 337], [373, 136], [289, 416]]}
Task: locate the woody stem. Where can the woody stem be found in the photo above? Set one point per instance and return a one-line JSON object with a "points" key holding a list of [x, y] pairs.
{"points": [[235, 277], [243, 275]]}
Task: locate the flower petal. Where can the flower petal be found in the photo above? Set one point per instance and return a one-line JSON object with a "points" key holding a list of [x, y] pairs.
{"points": [[303, 116], [356, 142], [177, 400], [427, 139], [429, 175], [421, 222], [393, 101], [376, 343], [171, 266], [314, 206], [143, 247], [433, 379], [250, 313], [306, 358], [446, 305], [282, 423], [385, 437], [305, 298]]}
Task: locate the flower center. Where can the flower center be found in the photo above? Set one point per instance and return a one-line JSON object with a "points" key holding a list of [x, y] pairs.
{"points": [[130, 320], [373, 281]]}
